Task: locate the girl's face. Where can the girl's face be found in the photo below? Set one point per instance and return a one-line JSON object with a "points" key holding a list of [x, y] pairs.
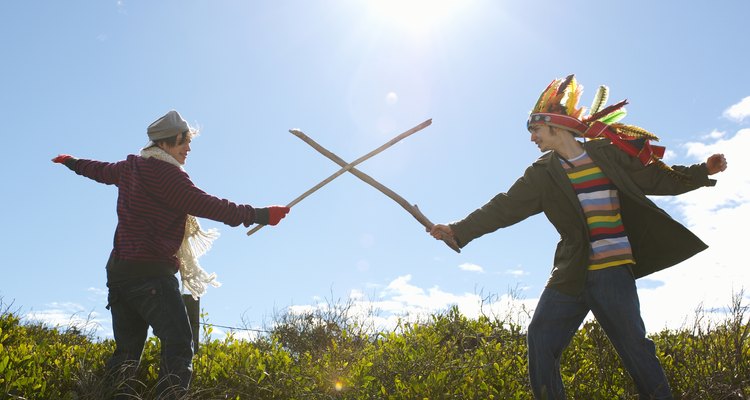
{"points": [[179, 151]]}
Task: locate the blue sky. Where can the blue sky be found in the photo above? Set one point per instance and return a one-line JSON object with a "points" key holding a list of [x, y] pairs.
{"points": [[86, 78]]}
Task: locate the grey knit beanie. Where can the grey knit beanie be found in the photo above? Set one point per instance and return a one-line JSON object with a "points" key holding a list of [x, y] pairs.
{"points": [[168, 125], [171, 124]]}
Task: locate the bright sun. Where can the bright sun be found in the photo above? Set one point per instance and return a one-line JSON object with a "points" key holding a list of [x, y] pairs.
{"points": [[417, 16]]}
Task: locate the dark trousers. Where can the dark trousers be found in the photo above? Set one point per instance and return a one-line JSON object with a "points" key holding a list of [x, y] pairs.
{"points": [[137, 304], [611, 295]]}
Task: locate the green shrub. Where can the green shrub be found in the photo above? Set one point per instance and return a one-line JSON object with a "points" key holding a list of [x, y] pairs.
{"points": [[329, 354]]}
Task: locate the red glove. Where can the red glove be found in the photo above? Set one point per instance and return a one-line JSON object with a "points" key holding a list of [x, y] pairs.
{"points": [[60, 159], [66, 160], [276, 213]]}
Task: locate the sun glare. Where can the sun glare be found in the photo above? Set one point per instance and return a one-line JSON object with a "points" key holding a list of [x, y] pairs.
{"points": [[417, 16]]}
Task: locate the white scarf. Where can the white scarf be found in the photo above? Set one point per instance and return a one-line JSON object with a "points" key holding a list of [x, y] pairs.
{"points": [[195, 243]]}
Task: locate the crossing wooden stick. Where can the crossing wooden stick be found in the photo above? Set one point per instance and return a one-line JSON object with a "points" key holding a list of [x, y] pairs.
{"points": [[412, 209], [347, 167]]}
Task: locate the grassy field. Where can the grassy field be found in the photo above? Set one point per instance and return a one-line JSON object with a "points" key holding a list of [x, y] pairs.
{"points": [[329, 355]]}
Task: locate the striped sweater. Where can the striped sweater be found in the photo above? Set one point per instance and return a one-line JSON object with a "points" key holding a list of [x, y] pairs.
{"points": [[601, 207], [154, 199]]}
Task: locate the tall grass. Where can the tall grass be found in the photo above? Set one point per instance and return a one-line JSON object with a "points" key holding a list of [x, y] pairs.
{"points": [[334, 354]]}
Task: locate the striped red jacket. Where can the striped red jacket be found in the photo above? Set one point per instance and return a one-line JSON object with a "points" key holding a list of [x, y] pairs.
{"points": [[154, 200]]}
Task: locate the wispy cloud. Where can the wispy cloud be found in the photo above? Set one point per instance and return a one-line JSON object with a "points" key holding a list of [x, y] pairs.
{"points": [[715, 135], [740, 111], [67, 315], [669, 154], [471, 267]]}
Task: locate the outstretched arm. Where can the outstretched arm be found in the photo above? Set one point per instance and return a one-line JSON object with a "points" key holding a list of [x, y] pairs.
{"points": [[522, 200], [655, 179], [102, 172]]}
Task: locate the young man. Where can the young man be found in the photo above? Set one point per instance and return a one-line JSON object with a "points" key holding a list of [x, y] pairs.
{"points": [[158, 235], [594, 193]]}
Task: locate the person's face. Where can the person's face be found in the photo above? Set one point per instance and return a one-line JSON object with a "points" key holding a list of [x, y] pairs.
{"points": [[179, 151], [543, 137]]}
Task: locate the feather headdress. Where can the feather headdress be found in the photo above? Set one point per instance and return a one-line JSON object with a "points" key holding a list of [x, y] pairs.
{"points": [[558, 106]]}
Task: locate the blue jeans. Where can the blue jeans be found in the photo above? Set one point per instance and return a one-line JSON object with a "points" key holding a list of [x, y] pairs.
{"points": [[137, 304], [611, 295]]}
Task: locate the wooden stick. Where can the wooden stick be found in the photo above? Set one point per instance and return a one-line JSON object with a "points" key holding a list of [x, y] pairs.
{"points": [[412, 209], [347, 167]]}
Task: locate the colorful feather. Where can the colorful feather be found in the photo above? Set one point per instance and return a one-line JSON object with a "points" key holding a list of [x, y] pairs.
{"points": [[600, 99], [574, 94], [606, 111], [634, 131], [614, 116], [544, 98], [539, 106], [577, 114], [567, 81], [556, 103]]}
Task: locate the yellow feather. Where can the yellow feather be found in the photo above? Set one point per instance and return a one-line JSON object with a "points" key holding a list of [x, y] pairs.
{"points": [[634, 131], [574, 91]]}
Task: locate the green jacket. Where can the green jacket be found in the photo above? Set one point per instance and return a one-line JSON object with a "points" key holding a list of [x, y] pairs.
{"points": [[657, 240]]}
